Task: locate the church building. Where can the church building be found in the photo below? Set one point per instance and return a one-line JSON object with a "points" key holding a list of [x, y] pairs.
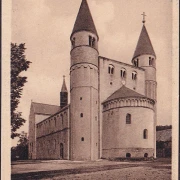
{"points": [[112, 110]]}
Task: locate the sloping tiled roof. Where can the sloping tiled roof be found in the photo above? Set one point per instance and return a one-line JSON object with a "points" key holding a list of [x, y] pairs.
{"points": [[123, 92], [144, 45], [40, 108], [84, 20], [164, 135]]}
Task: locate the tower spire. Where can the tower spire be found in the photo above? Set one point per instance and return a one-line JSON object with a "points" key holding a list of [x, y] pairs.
{"points": [[64, 88], [63, 94], [84, 20]]}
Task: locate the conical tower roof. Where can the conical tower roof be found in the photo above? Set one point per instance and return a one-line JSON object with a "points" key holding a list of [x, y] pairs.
{"points": [[84, 20], [64, 88], [144, 45]]}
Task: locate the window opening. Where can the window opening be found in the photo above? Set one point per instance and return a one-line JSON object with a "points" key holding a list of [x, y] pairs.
{"points": [[146, 155], [73, 42], [111, 69], [123, 73], [136, 62], [134, 76], [128, 155], [150, 61], [91, 41], [145, 134], [82, 139], [81, 115], [128, 119]]}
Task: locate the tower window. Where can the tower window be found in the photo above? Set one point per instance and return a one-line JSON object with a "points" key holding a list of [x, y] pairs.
{"points": [[91, 41], [81, 115], [136, 62], [128, 155], [134, 75], [73, 42], [128, 119], [111, 69], [82, 139], [150, 61], [145, 134], [123, 73], [80, 98]]}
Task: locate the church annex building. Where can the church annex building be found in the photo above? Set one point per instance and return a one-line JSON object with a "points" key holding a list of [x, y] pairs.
{"points": [[112, 110]]}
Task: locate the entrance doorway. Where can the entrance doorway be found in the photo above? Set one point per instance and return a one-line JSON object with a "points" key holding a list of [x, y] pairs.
{"points": [[61, 151]]}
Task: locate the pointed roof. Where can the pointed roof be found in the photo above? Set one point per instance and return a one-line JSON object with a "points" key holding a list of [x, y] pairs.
{"points": [[123, 92], [64, 88], [84, 20], [144, 45]]}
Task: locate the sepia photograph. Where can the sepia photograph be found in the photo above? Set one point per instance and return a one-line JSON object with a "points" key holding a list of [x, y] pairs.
{"points": [[91, 89]]}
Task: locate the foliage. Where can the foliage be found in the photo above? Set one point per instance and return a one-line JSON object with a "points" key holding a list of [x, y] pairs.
{"points": [[19, 63], [160, 128], [21, 150]]}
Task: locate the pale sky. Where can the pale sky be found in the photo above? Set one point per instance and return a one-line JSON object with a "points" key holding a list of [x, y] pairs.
{"points": [[45, 27]]}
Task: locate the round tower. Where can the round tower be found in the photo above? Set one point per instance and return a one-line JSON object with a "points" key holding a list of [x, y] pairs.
{"points": [[145, 57], [84, 87]]}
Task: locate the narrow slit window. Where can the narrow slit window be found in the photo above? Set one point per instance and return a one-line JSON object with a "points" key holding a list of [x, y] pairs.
{"points": [[73, 42], [81, 115], [93, 42], [90, 41], [128, 119], [150, 61], [145, 134], [82, 139]]}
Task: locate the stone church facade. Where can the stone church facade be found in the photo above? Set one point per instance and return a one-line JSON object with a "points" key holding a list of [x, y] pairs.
{"points": [[112, 110]]}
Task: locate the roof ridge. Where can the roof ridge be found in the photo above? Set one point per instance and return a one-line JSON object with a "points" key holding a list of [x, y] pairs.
{"points": [[44, 104]]}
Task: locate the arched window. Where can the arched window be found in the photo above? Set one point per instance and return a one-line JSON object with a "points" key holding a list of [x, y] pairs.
{"points": [[134, 75], [145, 134], [123, 73], [73, 42], [128, 155], [128, 119], [111, 69], [81, 115], [146, 155], [136, 62], [91, 41], [82, 139], [150, 61]]}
